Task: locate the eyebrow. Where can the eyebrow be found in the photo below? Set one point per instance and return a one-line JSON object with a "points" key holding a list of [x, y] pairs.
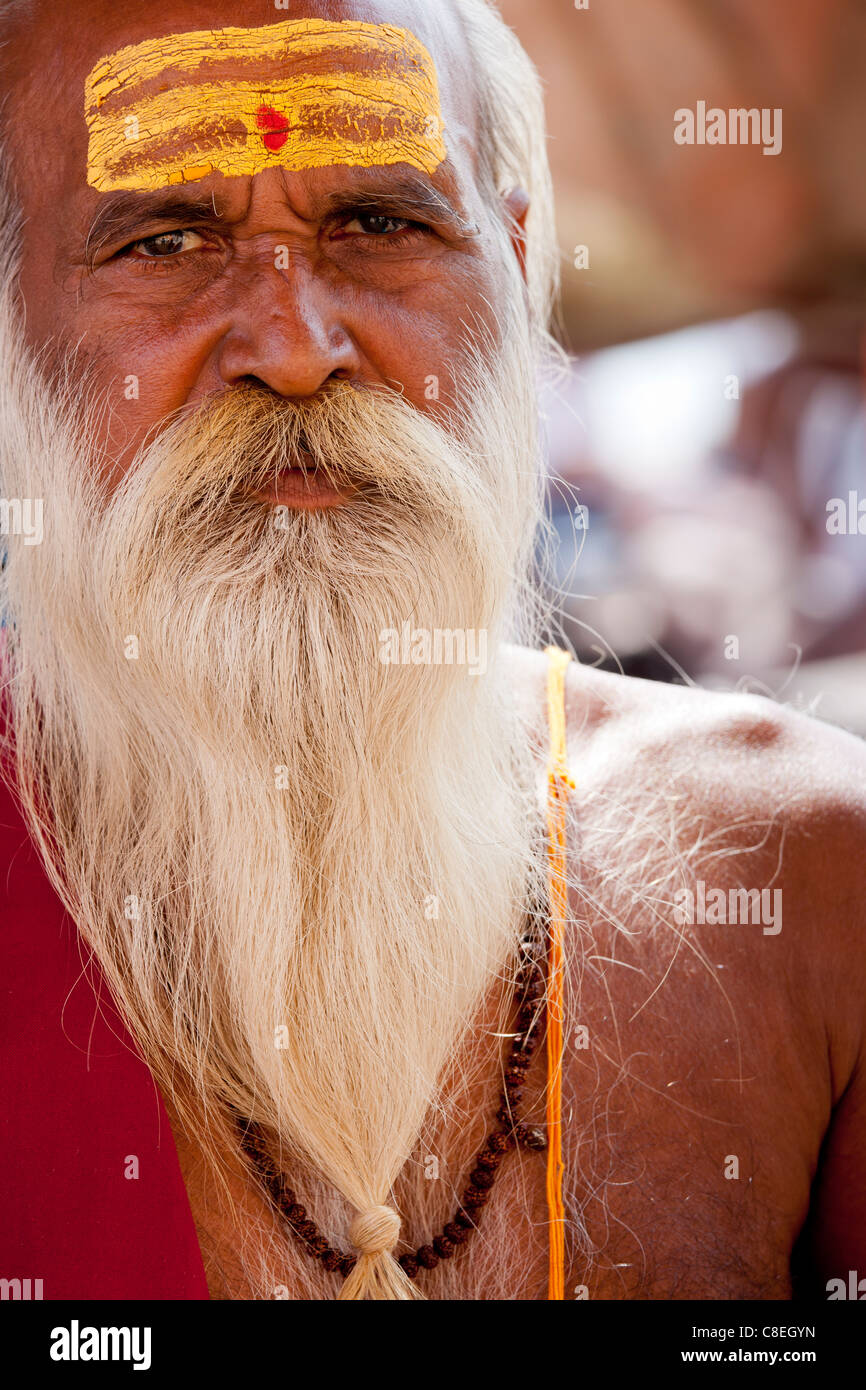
{"points": [[120, 216], [408, 193]]}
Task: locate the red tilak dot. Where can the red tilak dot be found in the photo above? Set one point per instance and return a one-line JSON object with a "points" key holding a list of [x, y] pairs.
{"points": [[275, 125]]}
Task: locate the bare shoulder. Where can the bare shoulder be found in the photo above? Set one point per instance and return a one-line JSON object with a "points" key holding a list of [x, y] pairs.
{"points": [[717, 851], [729, 760], [744, 752], [747, 741], [741, 790], [698, 773]]}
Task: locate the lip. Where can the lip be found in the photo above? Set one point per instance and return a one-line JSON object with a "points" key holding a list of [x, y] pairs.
{"points": [[303, 491]]}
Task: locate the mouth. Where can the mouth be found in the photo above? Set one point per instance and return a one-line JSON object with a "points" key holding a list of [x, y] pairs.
{"points": [[303, 488]]}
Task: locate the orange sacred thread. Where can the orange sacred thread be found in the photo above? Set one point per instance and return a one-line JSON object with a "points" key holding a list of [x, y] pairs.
{"points": [[558, 784]]}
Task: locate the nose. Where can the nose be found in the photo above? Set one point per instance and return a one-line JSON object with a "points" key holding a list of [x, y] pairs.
{"points": [[286, 333]]}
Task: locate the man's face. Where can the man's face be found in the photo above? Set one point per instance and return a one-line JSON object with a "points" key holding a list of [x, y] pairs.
{"points": [[288, 276]]}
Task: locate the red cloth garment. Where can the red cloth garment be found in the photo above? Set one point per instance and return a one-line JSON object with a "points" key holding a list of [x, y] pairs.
{"points": [[78, 1107]]}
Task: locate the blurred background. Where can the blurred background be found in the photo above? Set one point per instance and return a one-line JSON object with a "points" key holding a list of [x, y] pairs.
{"points": [[707, 447]]}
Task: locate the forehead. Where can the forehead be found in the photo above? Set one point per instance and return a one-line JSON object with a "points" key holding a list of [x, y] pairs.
{"points": [[141, 97]]}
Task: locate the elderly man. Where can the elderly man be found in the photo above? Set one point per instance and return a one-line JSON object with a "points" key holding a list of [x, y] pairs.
{"points": [[319, 851]]}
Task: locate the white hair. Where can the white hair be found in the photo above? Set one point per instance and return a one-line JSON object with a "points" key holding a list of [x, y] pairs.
{"points": [[513, 142]]}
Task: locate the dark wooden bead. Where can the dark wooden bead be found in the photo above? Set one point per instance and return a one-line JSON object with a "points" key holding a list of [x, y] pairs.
{"points": [[480, 1177], [409, 1265], [254, 1141], [319, 1245], [514, 1078], [498, 1143], [456, 1233], [287, 1196], [488, 1160], [504, 1114], [347, 1264], [307, 1230], [475, 1197], [466, 1221], [296, 1213], [443, 1247], [530, 1138], [427, 1256], [330, 1259]]}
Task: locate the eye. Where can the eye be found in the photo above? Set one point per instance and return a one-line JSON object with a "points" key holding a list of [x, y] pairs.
{"points": [[166, 244], [377, 224]]}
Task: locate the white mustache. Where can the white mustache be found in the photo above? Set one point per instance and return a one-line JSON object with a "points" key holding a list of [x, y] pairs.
{"points": [[364, 437]]}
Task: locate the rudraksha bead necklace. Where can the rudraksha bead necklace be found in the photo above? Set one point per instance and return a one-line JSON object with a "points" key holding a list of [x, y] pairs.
{"points": [[507, 1135]]}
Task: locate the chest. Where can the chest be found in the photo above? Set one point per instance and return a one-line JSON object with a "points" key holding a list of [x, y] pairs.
{"points": [[689, 1151], [249, 1251], [641, 1223]]}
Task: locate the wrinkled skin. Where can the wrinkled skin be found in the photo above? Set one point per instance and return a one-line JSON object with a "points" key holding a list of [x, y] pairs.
{"points": [[351, 304]]}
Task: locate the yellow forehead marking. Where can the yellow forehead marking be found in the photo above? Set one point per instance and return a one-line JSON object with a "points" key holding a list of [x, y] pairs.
{"points": [[173, 110]]}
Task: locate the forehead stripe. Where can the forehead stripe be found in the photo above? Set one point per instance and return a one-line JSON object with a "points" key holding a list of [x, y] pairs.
{"points": [[172, 110]]}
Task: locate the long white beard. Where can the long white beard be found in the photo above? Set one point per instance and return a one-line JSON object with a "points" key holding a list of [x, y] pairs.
{"points": [[301, 869]]}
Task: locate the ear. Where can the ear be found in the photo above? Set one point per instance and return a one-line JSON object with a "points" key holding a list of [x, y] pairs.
{"points": [[516, 202]]}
